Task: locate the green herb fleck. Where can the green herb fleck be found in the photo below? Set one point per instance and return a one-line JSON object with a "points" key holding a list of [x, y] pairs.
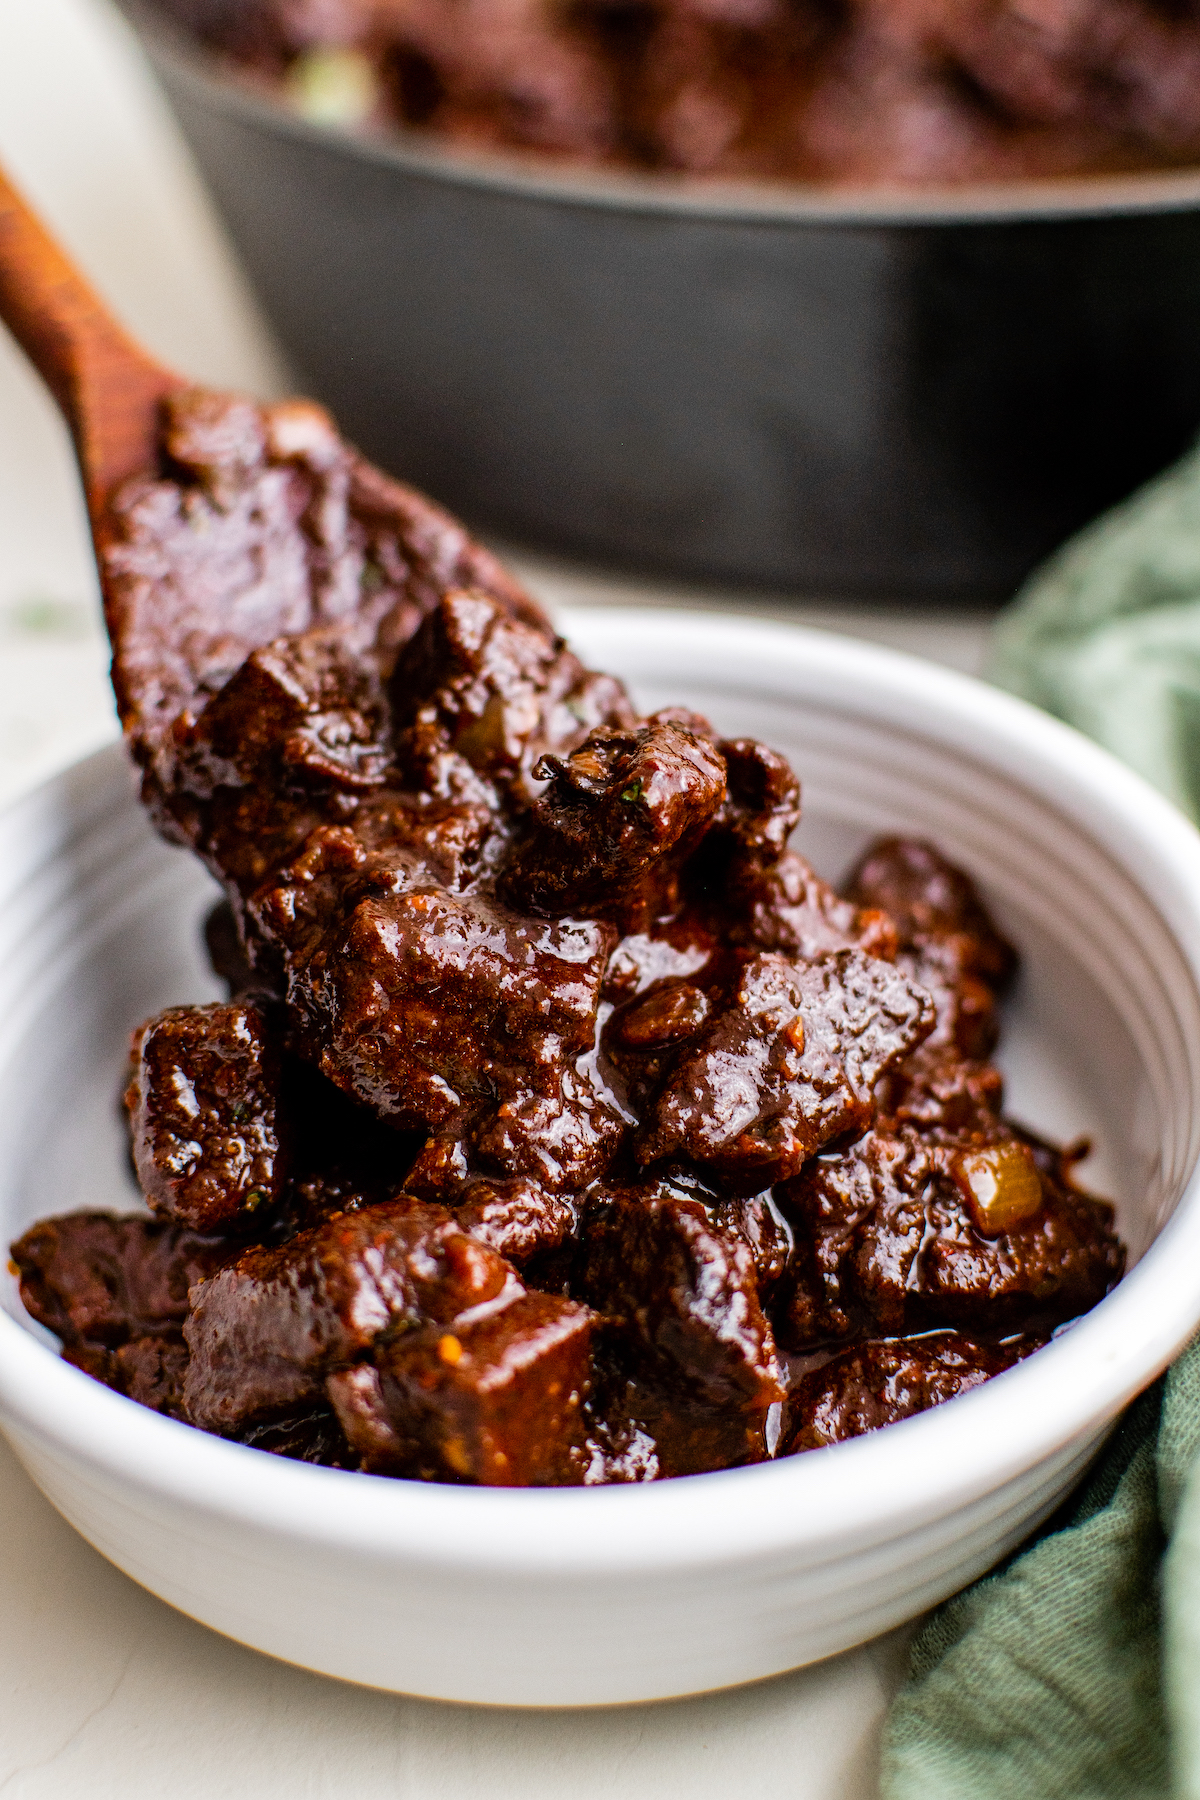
{"points": [[632, 792], [373, 578], [254, 1199]]}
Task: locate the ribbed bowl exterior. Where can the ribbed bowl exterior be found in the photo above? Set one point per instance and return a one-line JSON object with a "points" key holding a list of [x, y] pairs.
{"points": [[598, 1596]]}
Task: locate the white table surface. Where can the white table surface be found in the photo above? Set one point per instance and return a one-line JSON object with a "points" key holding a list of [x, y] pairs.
{"points": [[104, 1691]]}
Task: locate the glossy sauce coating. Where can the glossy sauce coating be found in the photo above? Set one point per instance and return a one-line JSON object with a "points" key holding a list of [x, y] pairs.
{"points": [[562, 1125]]}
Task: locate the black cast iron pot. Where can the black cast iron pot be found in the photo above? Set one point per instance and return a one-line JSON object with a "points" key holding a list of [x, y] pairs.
{"points": [[873, 394]]}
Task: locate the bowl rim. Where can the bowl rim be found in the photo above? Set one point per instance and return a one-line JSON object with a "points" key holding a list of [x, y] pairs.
{"points": [[534, 176], [871, 1489]]}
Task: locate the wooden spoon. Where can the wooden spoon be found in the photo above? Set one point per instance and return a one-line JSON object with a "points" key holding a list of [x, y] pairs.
{"points": [[209, 604], [109, 390]]}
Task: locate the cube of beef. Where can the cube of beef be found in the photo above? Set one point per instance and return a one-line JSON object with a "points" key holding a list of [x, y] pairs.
{"points": [[149, 1370], [152, 1370], [908, 1230], [760, 1223], [202, 1102], [356, 1397], [761, 807], [477, 689], [936, 1089], [300, 710], [496, 1400], [947, 941], [618, 818], [443, 843], [786, 906], [873, 1385], [653, 1428], [669, 1014], [266, 1330], [788, 1064], [518, 1219], [928, 897], [683, 1289], [643, 1038], [454, 1013], [100, 1279], [395, 844]]}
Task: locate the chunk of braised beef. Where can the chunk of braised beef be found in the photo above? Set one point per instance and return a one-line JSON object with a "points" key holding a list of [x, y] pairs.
{"points": [[102, 1279], [789, 1063], [451, 843], [935, 1089], [356, 1397], [396, 844], [152, 1372], [477, 689], [455, 1013], [948, 940], [762, 802], [496, 1400], [559, 1123], [618, 817], [265, 1331], [295, 737], [872, 1385], [261, 524], [909, 1230], [786, 906], [220, 439], [203, 1112], [968, 1025], [759, 1221], [149, 1370], [682, 1289], [301, 710], [518, 1219], [669, 1014], [929, 897], [650, 1429], [951, 946]]}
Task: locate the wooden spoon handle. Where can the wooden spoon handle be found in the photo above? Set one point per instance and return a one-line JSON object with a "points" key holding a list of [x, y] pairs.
{"points": [[108, 388]]}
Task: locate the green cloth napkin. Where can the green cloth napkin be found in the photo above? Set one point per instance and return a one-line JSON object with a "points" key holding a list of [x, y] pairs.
{"points": [[1073, 1672], [1045, 1681], [1107, 634]]}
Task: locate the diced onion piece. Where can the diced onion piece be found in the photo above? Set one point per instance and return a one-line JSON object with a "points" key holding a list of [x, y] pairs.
{"points": [[1000, 1185], [332, 87]]}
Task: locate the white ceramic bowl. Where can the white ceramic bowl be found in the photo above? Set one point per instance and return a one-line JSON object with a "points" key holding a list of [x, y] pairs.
{"points": [[635, 1593]]}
